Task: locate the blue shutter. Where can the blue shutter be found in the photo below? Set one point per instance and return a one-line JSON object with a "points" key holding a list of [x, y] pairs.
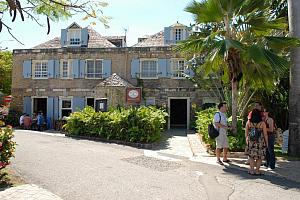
{"points": [[84, 37], [82, 69], [162, 67], [50, 112], [55, 108], [76, 68], [51, 68], [27, 105], [27, 69], [56, 69], [135, 68], [168, 68], [167, 35], [106, 68], [78, 103], [63, 37]]}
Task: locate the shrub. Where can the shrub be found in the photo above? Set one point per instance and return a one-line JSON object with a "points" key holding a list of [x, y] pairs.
{"points": [[144, 124], [7, 146], [205, 117], [13, 118]]}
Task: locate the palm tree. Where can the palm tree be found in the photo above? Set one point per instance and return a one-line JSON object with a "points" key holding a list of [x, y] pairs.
{"points": [[294, 101], [240, 39]]}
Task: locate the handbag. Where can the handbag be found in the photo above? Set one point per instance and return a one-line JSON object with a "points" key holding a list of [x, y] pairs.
{"points": [[212, 131]]}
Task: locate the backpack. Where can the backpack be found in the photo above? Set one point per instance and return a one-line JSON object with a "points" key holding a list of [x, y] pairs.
{"points": [[254, 134], [212, 131]]}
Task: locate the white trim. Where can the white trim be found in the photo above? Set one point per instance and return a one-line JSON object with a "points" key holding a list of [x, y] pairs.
{"points": [[70, 66], [188, 102], [60, 99], [80, 90], [172, 67], [69, 38], [33, 68], [148, 59], [59, 90], [86, 71]]}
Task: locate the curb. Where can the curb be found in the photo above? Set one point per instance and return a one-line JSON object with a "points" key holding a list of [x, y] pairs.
{"points": [[132, 144]]}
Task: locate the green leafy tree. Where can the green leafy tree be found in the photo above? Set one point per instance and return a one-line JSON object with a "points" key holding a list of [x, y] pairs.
{"points": [[5, 71], [50, 10], [241, 40]]}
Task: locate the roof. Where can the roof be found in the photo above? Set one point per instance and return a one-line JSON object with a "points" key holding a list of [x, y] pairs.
{"points": [[95, 41], [114, 80], [153, 40], [177, 24]]}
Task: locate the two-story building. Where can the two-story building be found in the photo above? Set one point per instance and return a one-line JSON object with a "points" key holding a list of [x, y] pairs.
{"points": [[82, 67]]}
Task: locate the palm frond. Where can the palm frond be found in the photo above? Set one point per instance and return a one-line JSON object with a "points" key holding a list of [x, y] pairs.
{"points": [[282, 42]]}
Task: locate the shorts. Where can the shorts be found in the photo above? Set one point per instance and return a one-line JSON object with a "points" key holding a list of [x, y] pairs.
{"points": [[222, 141]]}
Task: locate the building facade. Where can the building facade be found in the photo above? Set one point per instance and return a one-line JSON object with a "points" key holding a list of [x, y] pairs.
{"points": [[82, 67]]}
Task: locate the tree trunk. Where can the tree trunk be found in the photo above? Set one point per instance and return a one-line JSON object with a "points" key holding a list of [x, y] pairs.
{"points": [[234, 103], [294, 95]]}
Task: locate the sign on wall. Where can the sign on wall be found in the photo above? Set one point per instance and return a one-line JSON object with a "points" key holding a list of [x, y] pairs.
{"points": [[133, 95]]}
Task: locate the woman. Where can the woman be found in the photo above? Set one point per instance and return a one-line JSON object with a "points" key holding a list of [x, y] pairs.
{"points": [[256, 141], [270, 155]]}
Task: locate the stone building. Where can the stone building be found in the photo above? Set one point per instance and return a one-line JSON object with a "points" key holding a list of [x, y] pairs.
{"points": [[82, 67]]}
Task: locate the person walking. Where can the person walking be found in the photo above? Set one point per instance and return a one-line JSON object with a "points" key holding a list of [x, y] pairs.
{"points": [[270, 154], [40, 121], [256, 141], [220, 123]]}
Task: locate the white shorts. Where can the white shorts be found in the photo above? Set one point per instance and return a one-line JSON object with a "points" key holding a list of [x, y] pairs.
{"points": [[222, 141]]}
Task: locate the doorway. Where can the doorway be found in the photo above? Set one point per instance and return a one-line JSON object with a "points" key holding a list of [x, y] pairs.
{"points": [[178, 110], [40, 105]]}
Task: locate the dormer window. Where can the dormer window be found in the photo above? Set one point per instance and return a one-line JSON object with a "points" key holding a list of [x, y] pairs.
{"points": [[74, 36]]}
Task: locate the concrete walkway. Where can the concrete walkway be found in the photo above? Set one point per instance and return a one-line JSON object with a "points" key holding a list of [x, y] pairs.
{"points": [[27, 192]]}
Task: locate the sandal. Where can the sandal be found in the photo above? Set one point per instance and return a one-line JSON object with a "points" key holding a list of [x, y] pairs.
{"points": [[251, 173], [220, 162], [227, 161]]}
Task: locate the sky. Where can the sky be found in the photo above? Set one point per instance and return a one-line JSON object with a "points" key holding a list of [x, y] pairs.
{"points": [[139, 17]]}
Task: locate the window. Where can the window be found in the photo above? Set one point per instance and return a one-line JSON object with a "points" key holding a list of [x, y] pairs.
{"points": [[178, 68], [94, 69], [66, 107], [74, 36], [40, 69], [65, 68], [148, 69], [178, 34], [150, 101]]}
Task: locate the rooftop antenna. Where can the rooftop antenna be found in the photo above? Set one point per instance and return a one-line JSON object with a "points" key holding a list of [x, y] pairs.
{"points": [[125, 33]]}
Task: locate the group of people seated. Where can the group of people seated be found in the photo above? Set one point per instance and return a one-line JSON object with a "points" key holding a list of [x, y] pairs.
{"points": [[36, 122]]}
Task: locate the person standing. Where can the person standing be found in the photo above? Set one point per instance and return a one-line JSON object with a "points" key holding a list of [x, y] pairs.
{"points": [[256, 141], [220, 123], [40, 121], [270, 154]]}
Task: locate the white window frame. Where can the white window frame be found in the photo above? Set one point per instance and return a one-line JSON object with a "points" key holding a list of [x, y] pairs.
{"points": [[175, 68], [61, 99], [74, 34], [141, 65], [86, 69], [178, 36], [70, 64], [34, 62]]}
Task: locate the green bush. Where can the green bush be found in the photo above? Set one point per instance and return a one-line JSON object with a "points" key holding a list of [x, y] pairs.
{"points": [[205, 117], [144, 124], [7, 146]]}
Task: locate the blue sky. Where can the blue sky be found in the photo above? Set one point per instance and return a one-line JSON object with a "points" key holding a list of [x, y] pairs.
{"points": [[140, 17]]}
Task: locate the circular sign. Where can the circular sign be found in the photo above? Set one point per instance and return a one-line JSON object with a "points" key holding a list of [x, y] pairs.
{"points": [[133, 94]]}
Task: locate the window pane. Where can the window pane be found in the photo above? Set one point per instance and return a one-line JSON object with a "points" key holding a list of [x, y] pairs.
{"points": [[98, 68], [66, 104], [90, 68], [65, 112]]}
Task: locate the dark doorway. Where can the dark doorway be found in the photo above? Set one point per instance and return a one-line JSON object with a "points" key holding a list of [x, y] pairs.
{"points": [[40, 105], [101, 105], [90, 102], [178, 113]]}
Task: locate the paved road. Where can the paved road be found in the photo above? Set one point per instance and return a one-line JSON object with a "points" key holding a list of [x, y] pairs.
{"points": [[86, 170]]}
